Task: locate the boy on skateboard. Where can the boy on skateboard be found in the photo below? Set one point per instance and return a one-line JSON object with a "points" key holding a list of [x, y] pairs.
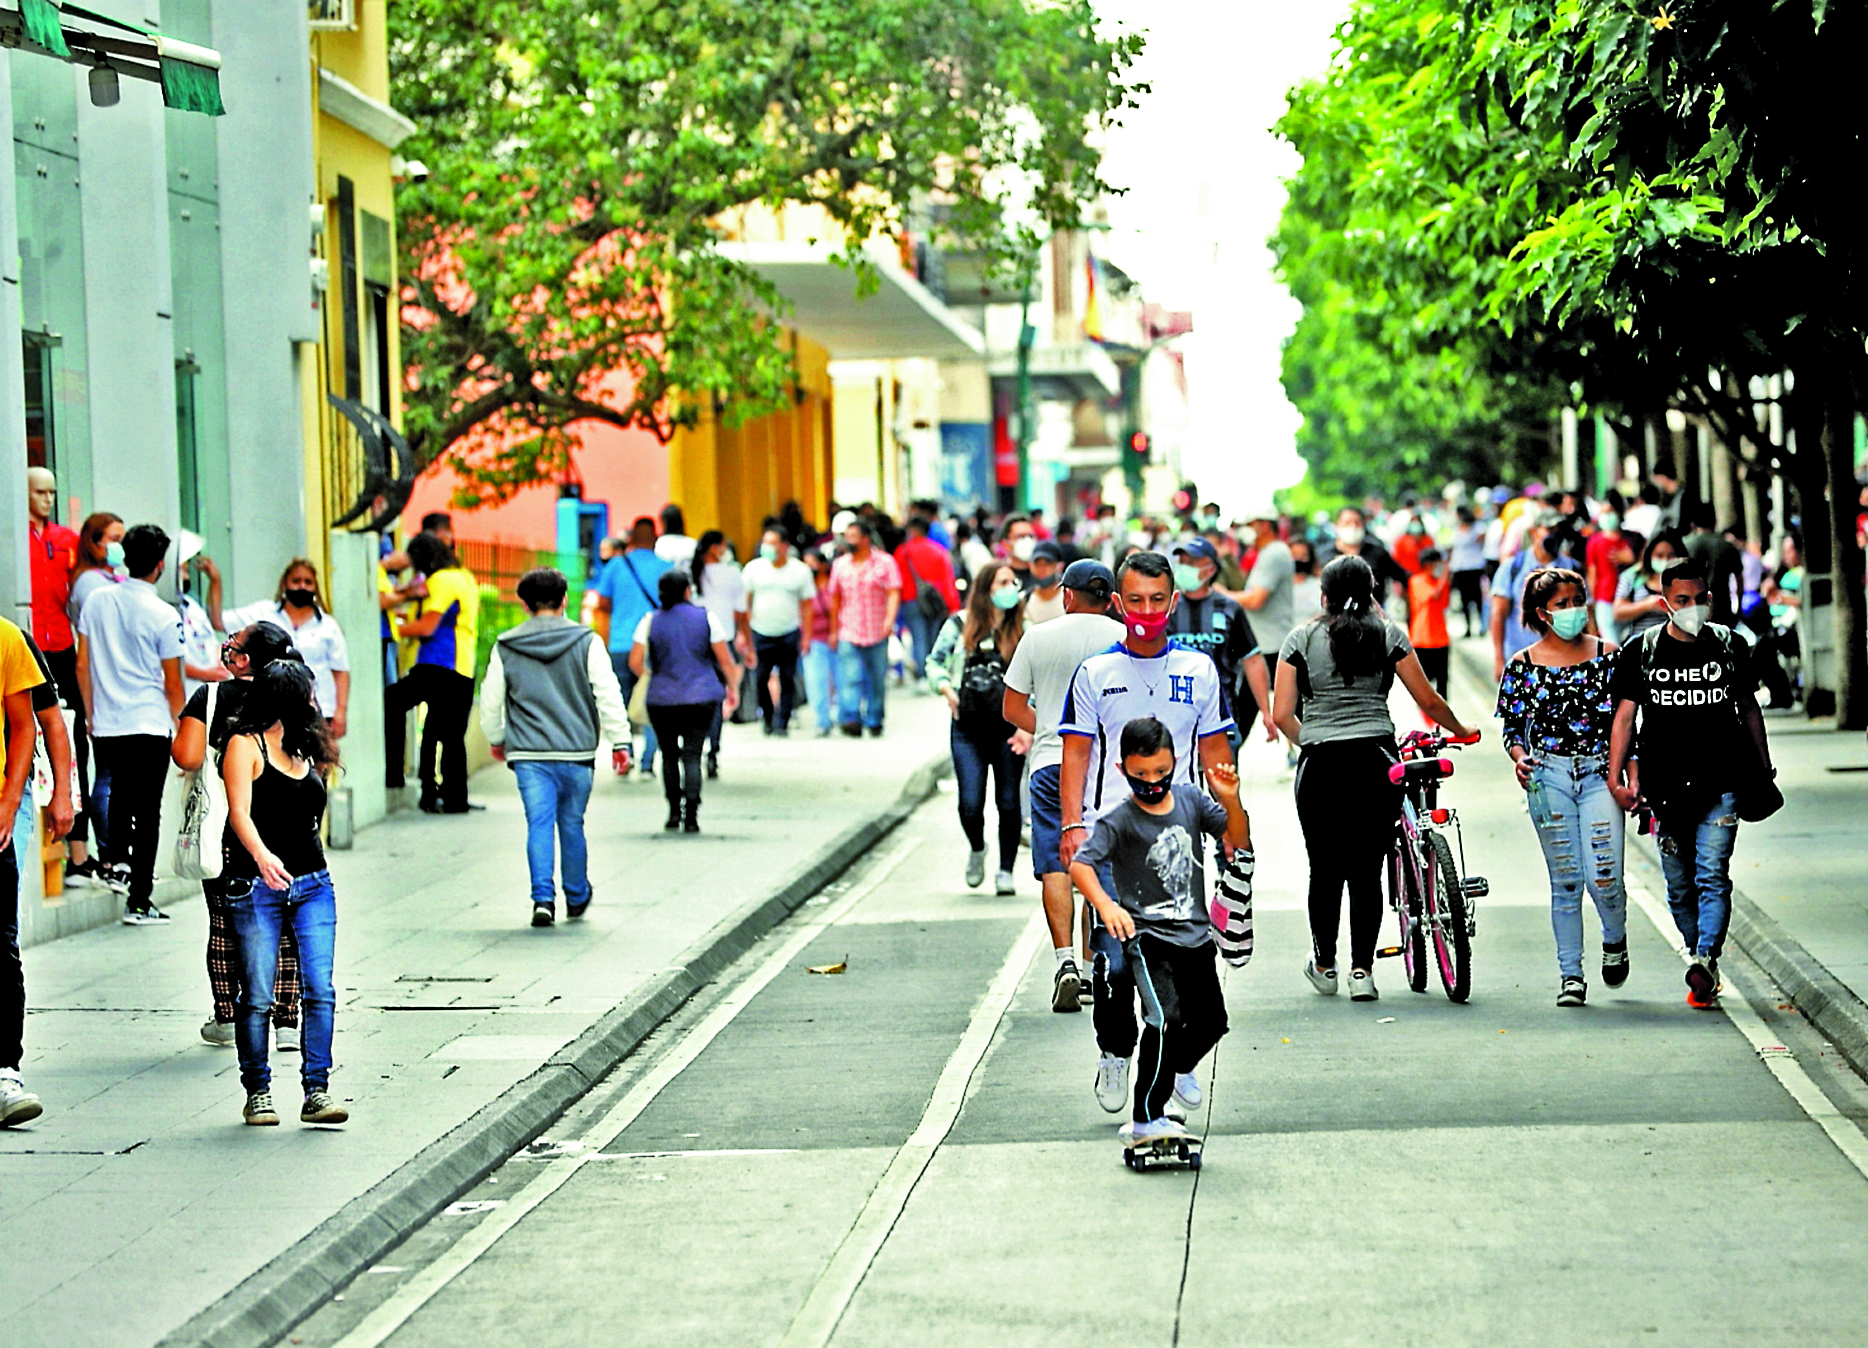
{"points": [[1152, 848]]}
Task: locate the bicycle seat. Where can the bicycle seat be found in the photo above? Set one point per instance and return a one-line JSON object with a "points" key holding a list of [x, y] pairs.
{"points": [[1421, 770]]}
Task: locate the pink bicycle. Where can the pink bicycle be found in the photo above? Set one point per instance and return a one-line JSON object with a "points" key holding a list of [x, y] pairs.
{"points": [[1431, 895]]}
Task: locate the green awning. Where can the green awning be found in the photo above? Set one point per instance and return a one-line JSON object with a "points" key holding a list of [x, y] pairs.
{"points": [[189, 75]]}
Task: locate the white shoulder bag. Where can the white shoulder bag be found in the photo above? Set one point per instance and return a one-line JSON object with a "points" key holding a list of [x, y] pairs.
{"points": [[204, 812]]}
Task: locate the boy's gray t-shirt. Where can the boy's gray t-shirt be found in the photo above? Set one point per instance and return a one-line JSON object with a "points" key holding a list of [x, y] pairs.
{"points": [[1157, 863]]}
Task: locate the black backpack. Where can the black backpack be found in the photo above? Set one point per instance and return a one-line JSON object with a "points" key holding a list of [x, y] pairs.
{"points": [[982, 690]]}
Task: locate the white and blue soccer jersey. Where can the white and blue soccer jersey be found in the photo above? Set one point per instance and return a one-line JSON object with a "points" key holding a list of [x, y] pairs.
{"points": [[1179, 688]]}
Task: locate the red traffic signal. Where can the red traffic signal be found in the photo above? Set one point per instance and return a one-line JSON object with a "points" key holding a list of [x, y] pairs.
{"points": [[1139, 442], [1183, 500]]}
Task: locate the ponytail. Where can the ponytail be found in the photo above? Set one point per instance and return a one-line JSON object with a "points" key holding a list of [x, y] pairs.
{"points": [[1356, 629]]}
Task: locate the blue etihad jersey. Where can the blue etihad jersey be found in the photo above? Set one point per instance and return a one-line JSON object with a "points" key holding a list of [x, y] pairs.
{"points": [[1179, 688]]}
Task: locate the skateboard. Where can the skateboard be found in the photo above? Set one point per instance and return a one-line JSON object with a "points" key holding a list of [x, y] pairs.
{"points": [[1176, 1149]]}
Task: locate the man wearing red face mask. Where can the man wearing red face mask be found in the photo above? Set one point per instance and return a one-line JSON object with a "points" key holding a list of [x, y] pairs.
{"points": [[1144, 675]]}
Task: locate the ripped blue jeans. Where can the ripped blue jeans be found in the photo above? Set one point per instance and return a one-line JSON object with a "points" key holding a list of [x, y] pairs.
{"points": [[1696, 858], [1580, 828]]}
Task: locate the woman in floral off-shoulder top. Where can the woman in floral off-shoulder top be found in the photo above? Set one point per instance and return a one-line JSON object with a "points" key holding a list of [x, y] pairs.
{"points": [[1555, 703]]}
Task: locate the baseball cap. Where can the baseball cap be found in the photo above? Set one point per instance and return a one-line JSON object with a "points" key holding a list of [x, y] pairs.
{"points": [[1048, 550], [1199, 547], [1091, 577]]}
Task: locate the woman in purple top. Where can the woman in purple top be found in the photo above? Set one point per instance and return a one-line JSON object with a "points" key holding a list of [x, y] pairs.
{"points": [[683, 649]]}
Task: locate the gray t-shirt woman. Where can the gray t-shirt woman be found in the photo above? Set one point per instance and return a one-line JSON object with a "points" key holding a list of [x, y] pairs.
{"points": [[1336, 707]]}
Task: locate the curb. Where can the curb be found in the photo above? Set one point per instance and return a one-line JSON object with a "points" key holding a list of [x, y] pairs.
{"points": [[268, 1303], [1823, 998]]}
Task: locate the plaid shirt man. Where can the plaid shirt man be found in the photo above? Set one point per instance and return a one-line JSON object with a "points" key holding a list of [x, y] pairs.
{"points": [[863, 591]]}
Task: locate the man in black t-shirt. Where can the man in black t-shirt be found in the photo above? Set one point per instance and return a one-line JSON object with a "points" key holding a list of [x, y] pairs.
{"points": [[1699, 733], [1205, 620]]}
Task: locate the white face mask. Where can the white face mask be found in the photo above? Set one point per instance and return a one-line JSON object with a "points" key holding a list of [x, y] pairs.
{"points": [[1691, 618], [1023, 548], [1350, 536]]}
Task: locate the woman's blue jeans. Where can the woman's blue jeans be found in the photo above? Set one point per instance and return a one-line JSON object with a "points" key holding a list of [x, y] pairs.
{"points": [[259, 913], [554, 795], [816, 665], [1581, 829], [1696, 858], [972, 760]]}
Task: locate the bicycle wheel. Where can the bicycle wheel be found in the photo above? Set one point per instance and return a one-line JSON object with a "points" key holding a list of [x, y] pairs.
{"points": [[1405, 899], [1452, 947]]}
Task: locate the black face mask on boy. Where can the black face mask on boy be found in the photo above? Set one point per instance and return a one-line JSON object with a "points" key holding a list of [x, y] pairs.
{"points": [[1150, 793]]}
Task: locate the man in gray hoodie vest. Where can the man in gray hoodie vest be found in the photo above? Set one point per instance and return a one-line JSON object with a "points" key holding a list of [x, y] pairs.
{"points": [[549, 701]]}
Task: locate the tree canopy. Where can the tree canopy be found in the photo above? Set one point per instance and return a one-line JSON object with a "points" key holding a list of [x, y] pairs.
{"points": [[582, 155]]}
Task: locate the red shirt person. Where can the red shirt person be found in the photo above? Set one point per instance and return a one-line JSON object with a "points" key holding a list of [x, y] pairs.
{"points": [[54, 553]]}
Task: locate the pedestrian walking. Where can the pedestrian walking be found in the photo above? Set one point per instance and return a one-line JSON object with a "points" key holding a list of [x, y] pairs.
{"points": [[1153, 847], [1467, 564], [1045, 601], [1036, 683], [683, 649], [1639, 603], [1606, 554], [1215, 624], [199, 733], [130, 670], [444, 625], [779, 598], [26, 701], [1688, 738], [298, 605], [100, 560], [275, 770], [1557, 709], [548, 704], [967, 667], [865, 596], [929, 594], [720, 590], [1334, 677], [674, 546], [1146, 675], [1306, 587], [1539, 549], [1269, 597], [1429, 592], [818, 658], [626, 595], [100, 552]]}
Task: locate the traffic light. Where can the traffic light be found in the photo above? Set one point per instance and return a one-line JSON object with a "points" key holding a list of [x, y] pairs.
{"points": [[1140, 444], [1183, 501]]}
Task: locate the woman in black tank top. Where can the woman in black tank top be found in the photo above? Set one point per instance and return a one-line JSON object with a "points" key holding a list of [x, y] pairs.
{"points": [[275, 769]]}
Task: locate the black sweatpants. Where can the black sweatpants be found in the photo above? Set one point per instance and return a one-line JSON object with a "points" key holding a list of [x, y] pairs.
{"points": [[1193, 1012], [449, 698], [781, 654], [1347, 809], [682, 731], [1470, 587], [138, 767]]}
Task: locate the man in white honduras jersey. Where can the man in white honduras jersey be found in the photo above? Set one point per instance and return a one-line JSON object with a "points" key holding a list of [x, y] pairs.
{"points": [[1143, 675]]}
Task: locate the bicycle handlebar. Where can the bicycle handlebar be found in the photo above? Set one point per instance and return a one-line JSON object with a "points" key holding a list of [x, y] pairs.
{"points": [[1423, 742]]}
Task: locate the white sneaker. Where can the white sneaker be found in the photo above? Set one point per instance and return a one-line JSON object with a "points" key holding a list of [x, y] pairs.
{"points": [[217, 1034], [975, 869], [1362, 987], [1112, 1083], [1003, 884], [285, 1038], [1153, 1129], [1324, 983], [17, 1104], [1187, 1090]]}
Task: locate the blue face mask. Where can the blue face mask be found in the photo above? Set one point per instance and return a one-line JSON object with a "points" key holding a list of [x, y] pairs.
{"points": [[113, 555], [1007, 598], [1187, 578], [1569, 623], [769, 553]]}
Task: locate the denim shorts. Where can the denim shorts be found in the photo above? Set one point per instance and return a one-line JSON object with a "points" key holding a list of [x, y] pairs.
{"points": [[1047, 822]]}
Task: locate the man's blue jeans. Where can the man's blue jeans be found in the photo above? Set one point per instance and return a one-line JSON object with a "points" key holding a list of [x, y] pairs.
{"points": [[555, 795], [1581, 829], [817, 665], [862, 681], [259, 913], [1696, 857]]}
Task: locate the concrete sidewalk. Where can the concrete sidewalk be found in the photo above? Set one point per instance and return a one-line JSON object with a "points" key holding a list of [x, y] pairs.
{"points": [[1800, 907], [139, 1200]]}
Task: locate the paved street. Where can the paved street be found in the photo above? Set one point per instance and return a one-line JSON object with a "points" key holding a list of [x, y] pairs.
{"points": [[910, 1148]]}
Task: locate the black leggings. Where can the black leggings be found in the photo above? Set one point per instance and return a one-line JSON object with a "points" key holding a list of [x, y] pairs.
{"points": [[449, 698], [1347, 809], [1193, 1012], [683, 730]]}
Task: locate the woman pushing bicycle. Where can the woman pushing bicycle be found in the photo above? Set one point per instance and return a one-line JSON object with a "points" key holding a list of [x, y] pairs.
{"points": [[1558, 710], [1334, 676]]}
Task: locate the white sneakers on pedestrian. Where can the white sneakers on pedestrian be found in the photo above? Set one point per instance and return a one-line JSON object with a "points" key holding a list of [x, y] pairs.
{"points": [[1003, 884], [285, 1038], [1152, 1129], [1187, 1091], [1324, 981], [17, 1104], [217, 1034], [1112, 1083], [975, 868], [1362, 986]]}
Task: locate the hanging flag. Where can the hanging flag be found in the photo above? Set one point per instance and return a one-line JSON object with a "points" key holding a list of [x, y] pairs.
{"points": [[1093, 306]]}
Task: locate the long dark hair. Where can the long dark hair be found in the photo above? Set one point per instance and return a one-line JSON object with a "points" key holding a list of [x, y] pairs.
{"points": [[283, 692], [986, 619], [698, 566], [265, 643], [1357, 630]]}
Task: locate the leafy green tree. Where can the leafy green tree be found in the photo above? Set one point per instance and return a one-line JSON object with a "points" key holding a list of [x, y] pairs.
{"points": [[584, 153]]}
